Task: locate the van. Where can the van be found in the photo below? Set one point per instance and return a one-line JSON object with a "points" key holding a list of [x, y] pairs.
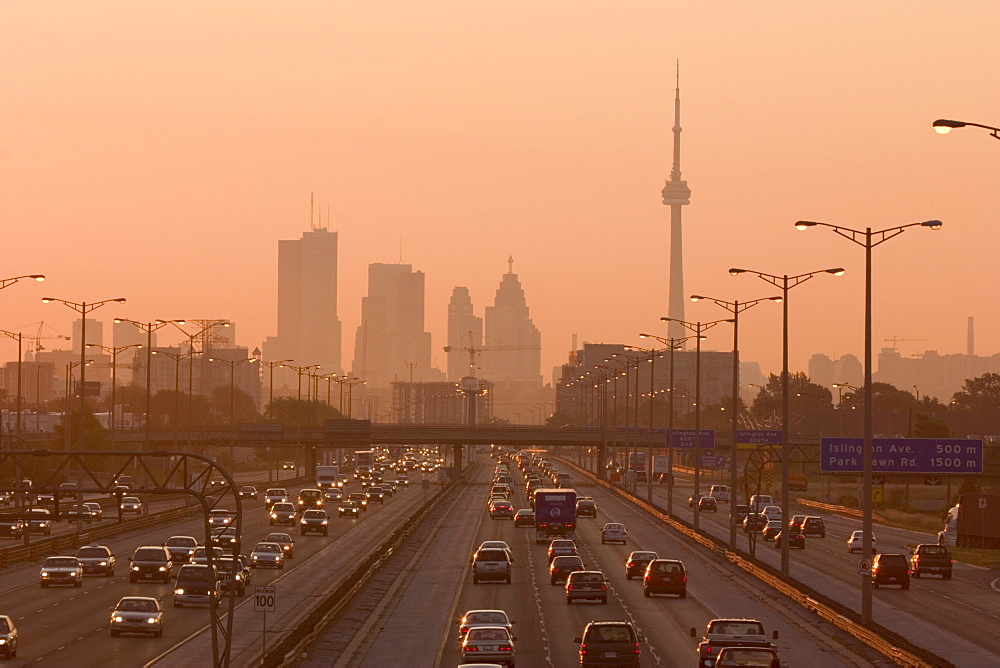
{"points": [[564, 480], [759, 501], [310, 498], [196, 585], [720, 493]]}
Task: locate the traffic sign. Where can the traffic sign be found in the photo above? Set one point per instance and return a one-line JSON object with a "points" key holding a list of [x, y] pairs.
{"points": [[903, 455], [661, 464], [758, 436], [982, 503], [684, 438], [932, 480], [264, 599], [864, 567], [878, 479]]}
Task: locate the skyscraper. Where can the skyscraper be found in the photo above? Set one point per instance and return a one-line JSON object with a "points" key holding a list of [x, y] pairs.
{"points": [[465, 330], [675, 195], [391, 344], [516, 343], [308, 327]]}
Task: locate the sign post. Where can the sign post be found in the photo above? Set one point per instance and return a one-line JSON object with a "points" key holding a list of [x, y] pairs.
{"points": [[264, 600]]}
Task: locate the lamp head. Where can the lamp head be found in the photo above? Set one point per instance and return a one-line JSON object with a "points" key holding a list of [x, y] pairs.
{"points": [[665, 319], [804, 224], [117, 320], [933, 224], [695, 298], [641, 336], [119, 300], [943, 126], [37, 277], [837, 271], [46, 300], [735, 271]]}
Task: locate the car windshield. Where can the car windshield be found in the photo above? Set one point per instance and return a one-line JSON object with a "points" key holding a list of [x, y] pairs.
{"points": [[4, 627], [91, 552], [933, 549], [315, 514], [736, 629], [275, 492], [267, 548], [130, 499], [278, 538], [195, 573], [486, 618], [284, 507], [136, 605], [181, 541], [148, 555], [644, 555], [610, 634], [745, 656], [613, 527], [491, 555], [60, 561]]}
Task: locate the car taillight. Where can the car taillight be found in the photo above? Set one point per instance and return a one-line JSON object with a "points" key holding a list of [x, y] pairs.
{"points": [[603, 587], [583, 648], [637, 648], [684, 579], [647, 576], [569, 587], [630, 564], [471, 648], [506, 648], [708, 650]]}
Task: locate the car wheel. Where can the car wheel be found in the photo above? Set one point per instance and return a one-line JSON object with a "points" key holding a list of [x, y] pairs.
{"points": [[645, 592], [916, 574], [947, 576], [568, 600], [281, 566], [158, 634], [475, 580], [684, 594], [602, 541], [552, 581]]}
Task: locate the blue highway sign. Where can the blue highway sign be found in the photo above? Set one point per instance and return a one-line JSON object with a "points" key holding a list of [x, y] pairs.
{"points": [[903, 455], [684, 438], [759, 436]]}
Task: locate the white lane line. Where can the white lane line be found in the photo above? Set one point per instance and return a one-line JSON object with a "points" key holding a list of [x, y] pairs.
{"points": [[538, 600], [995, 585]]}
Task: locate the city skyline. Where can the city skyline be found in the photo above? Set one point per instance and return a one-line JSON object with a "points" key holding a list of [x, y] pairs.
{"points": [[557, 157]]}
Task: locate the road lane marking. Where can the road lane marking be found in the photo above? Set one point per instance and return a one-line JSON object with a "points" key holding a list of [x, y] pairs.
{"points": [[538, 599]]}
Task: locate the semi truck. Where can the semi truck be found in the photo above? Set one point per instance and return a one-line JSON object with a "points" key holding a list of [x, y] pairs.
{"points": [[326, 477], [555, 514], [363, 462], [974, 522]]}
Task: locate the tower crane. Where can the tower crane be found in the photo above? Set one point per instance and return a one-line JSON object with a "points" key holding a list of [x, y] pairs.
{"points": [[896, 339], [475, 350], [36, 340]]}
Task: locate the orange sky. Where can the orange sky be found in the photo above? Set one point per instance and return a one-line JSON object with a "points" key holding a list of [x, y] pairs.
{"points": [[158, 150]]}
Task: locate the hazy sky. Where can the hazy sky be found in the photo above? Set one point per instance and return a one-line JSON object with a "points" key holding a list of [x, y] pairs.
{"points": [[158, 150]]}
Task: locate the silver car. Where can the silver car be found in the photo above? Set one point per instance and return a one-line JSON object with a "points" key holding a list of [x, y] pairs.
{"points": [[131, 504], [8, 637], [219, 518], [181, 548], [267, 554], [96, 559], [283, 513], [61, 570], [137, 614]]}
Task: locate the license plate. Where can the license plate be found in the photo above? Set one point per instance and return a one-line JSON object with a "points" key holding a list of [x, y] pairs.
{"points": [[611, 655], [147, 575], [489, 648]]}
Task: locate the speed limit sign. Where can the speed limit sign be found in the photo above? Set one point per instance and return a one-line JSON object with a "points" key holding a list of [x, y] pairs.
{"points": [[264, 599]]}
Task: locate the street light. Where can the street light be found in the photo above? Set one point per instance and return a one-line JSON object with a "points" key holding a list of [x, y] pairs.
{"points": [[232, 364], [786, 283], [177, 357], [270, 383], [114, 377], [83, 308], [653, 354], [69, 391], [698, 328], [735, 307], [205, 333], [943, 126], [867, 239], [840, 391]]}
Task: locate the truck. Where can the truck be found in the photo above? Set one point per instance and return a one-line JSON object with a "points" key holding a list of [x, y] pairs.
{"points": [[555, 514], [928, 559], [326, 477], [973, 522], [722, 633], [363, 462]]}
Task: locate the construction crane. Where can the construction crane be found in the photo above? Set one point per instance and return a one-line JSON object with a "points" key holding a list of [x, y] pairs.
{"points": [[36, 340], [896, 339], [474, 350]]}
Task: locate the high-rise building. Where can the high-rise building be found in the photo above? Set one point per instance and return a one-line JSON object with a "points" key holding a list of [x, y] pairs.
{"points": [[95, 333], [391, 344], [308, 327], [675, 195], [513, 343], [465, 331], [826, 371]]}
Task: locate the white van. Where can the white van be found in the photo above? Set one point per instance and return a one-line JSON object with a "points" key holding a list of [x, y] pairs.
{"points": [[759, 501], [720, 493]]}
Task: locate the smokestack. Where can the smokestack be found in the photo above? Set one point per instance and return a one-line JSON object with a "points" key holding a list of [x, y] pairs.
{"points": [[970, 346]]}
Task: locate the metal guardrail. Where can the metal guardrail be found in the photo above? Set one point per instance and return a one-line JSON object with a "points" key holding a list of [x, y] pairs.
{"points": [[879, 638], [832, 508]]}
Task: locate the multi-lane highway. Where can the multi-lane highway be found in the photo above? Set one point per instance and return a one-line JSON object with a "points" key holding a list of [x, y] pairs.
{"points": [[414, 621]]}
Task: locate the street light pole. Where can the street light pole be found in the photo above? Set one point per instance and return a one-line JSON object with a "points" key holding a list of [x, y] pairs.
{"points": [[232, 364], [270, 383], [114, 379], [206, 328], [17, 336], [735, 307], [943, 126], [867, 239]]}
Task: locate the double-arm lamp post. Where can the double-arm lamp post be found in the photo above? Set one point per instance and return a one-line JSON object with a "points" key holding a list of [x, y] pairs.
{"points": [[83, 308], [232, 364], [113, 351], [868, 239], [735, 307], [653, 354], [270, 382]]}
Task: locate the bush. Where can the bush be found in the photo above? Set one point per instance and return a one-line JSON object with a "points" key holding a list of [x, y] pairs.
{"points": [[849, 501]]}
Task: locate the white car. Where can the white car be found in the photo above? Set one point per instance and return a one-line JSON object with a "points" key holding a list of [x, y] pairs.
{"points": [[477, 618], [492, 644], [614, 533], [495, 544], [854, 542], [219, 518], [137, 614], [720, 493], [267, 554], [131, 504], [771, 512]]}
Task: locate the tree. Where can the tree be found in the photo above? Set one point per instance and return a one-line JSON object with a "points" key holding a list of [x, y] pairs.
{"points": [[560, 419], [299, 412], [981, 394], [245, 410], [927, 426], [805, 396]]}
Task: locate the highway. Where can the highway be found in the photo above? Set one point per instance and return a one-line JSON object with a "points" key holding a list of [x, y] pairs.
{"points": [[62, 626], [414, 622]]}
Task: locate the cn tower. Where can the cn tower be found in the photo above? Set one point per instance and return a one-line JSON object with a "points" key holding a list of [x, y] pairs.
{"points": [[675, 195]]}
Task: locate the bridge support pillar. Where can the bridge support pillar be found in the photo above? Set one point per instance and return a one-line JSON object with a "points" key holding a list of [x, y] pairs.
{"points": [[600, 469], [456, 457]]}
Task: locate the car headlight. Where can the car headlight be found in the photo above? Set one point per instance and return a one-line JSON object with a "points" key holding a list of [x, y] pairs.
{"points": [[104, 563], [324, 521], [253, 557], [179, 592], [303, 522], [277, 557], [135, 568], [3, 641], [44, 574], [117, 618], [274, 515], [163, 568], [151, 620], [239, 577]]}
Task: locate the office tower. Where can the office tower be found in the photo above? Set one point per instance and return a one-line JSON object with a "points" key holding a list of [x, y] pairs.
{"points": [[513, 344], [465, 331], [95, 333]]}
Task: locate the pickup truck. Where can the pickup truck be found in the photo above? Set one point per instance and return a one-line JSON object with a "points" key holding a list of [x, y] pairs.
{"points": [[722, 633], [930, 559]]}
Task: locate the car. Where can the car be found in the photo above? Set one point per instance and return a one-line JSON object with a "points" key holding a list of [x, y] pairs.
{"points": [[493, 545], [796, 521], [309, 498], [854, 542], [8, 637], [130, 504], [501, 510], [45, 499], [770, 530], [736, 657], [771, 512], [637, 562], [267, 555], [286, 542], [181, 548], [665, 576], [200, 555], [720, 493], [610, 643], [282, 513], [586, 508], [759, 501], [708, 504], [348, 509], [248, 492], [375, 494], [197, 584], [741, 511], [479, 618], [524, 517], [151, 562], [39, 520], [491, 564], [67, 490], [930, 559], [96, 512], [314, 520], [489, 644], [287, 466], [614, 532], [96, 559], [561, 546], [813, 526], [225, 538], [219, 518], [12, 527], [61, 570], [332, 496], [217, 482], [137, 614], [77, 512], [589, 585], [754, 522], [402, 479], [562, 566], [360, 499], [275, 495], [890, 568], [795, 539], [233, 576]]}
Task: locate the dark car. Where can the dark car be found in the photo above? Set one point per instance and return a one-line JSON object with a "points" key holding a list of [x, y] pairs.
{"points": [[11, 527], [770, 530], [78, 513], [562, 566], [636, 563], [586, 585], [196, 585], [754, 522], [96, 559], [795, 539], [741, 512], [375, 494], [888, 568], [586, 508], [813, 526], [314, 521], [525, 517], [610, 643], [929, 559], [708, 504], [665, 576], [225, 538], [151, 562], [348, 509]]}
